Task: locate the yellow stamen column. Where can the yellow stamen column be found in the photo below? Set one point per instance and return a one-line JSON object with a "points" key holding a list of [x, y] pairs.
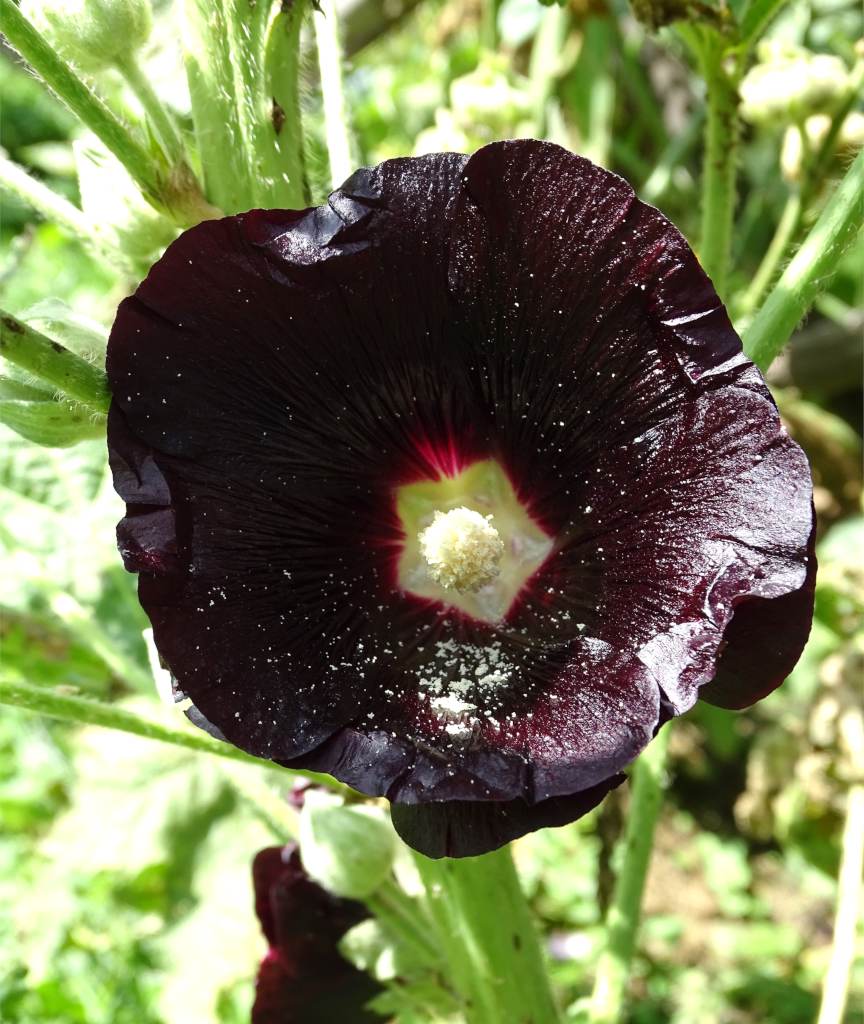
{"points": [[462, 549]]}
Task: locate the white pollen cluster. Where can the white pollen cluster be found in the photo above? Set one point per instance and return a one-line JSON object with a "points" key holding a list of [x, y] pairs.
{"points": [[462, 549], [463, 683]]}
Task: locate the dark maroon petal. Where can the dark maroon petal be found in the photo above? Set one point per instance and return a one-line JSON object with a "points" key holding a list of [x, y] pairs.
{"points": [[553, 251], [684, 527], [763, 642], [304, 979], [574, 734], [270, 496], [459, 828], [279, 375], [665, 488]]}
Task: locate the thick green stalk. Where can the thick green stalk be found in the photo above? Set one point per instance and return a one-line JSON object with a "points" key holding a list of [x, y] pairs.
{"points": [[836, 986], [809, 270], [622, 921], [210, 75], [441, 912], [492, 946], [81, 100], [719, 169], [246, 51], [164, 125], [45, 701], [336, 131], [51, 362], [285, 164], [261, 48], [242, 67]]}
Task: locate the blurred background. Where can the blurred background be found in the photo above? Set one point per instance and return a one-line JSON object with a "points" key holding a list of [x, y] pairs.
{"points": [[125, 895]]}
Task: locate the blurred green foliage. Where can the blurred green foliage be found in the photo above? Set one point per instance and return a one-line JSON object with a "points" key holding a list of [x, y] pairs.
{"points": [[124, 865]]}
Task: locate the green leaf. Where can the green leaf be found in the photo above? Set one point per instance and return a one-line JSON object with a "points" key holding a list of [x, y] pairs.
{"points": [[61, 572], [347, 849], [153, 853], [756, 17], [51, 528], [51, 423]]}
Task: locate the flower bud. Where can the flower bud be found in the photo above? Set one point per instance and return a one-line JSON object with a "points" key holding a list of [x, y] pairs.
{"points": [[850, 138], [346, 848], [92, 34], [791, 83], [792, 151]]}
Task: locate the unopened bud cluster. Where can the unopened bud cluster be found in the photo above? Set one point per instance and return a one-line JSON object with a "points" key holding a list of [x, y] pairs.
{"points": [[488, 103], [849, 139], [789, 83]]}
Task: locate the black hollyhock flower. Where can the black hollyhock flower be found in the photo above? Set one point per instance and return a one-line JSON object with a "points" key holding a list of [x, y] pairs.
{"points": [[315, 415], [304, 979]]}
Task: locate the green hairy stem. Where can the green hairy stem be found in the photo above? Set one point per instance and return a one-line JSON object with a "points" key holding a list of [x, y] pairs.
{"points": [[335, 109], [62, 79], [719, 172], [284, 161], [171, 189], [71, 708], [493, 952], [809, 270], [622, 922], [242, 69], [51, 362]]}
